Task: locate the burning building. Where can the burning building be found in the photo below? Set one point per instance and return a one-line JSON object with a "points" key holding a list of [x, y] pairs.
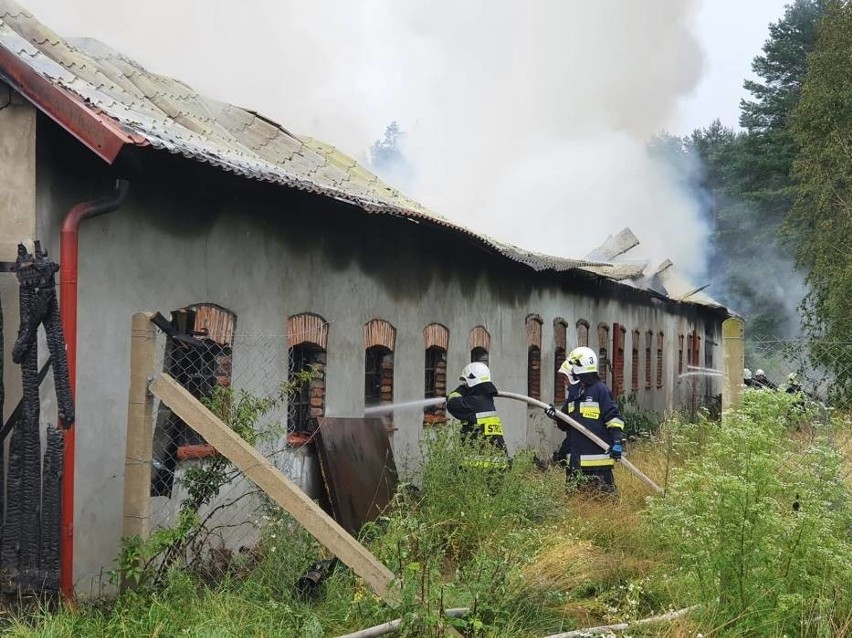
{"points": [[231, 225]]}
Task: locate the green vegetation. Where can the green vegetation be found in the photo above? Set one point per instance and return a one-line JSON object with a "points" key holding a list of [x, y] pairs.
{"points": [[754, 528], [820, 223]]}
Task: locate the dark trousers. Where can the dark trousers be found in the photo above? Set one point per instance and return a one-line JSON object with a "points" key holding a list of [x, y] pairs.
{"points": [[597, 479]]}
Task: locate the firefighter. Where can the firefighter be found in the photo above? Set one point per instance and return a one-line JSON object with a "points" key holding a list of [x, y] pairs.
{"points": [[748, 380], [590, 403], [472, 403], [760, 381], [793, 385]]}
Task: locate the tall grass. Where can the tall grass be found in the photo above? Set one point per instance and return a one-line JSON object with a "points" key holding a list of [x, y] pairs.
{"points": [[530, 558], [759, 522]]}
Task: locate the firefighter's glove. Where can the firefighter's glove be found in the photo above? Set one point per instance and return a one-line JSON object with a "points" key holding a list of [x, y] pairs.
{"points": [[615, 451], [551, 412]]}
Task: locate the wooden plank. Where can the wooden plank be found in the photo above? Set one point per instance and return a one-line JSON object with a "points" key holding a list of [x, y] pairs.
{"points": [[281, 489], [140, 429]]}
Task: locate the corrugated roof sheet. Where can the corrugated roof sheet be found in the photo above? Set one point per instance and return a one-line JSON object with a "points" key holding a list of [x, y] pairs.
{"points": [[615, 246], [668, 281], [167, 114], [170, 115]]}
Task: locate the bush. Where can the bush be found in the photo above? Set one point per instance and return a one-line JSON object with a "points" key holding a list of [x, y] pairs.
{"points": [[759, 523]]}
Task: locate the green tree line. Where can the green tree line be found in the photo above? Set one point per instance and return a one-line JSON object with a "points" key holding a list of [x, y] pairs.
{"points": [[778, 192]]}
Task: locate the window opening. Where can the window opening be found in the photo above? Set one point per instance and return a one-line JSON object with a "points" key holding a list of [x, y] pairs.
{"points": [[479, 354], [603, 351], [560, 340], [436, 384], [533, 326], [649, 337], [634, 362], [618, 337], [199, 356], [378, 376], [582, 333], [308, 402]]}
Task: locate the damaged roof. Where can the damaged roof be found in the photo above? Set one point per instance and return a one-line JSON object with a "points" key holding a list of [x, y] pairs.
{"points": [[108, 101]]}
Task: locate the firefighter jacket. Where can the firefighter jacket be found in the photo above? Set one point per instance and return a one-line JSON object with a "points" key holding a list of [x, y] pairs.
{"points": [[592, 406], [474, 407]]}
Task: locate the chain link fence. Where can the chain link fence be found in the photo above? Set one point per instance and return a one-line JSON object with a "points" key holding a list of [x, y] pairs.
{"points": [[205, 515], [821, 369]]}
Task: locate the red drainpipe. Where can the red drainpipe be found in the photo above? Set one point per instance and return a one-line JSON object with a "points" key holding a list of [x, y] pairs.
{"points": [[68, 250]]}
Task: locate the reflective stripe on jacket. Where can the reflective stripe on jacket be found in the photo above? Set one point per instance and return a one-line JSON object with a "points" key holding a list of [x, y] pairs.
{"points": [[594, 408], [474, 407]]}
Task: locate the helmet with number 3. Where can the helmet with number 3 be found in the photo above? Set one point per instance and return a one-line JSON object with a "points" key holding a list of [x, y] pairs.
{"points": [[583, 360]]}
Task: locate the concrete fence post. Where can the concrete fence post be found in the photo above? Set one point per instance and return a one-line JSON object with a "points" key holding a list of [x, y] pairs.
{"points": [[140, 429], [733, 360]]}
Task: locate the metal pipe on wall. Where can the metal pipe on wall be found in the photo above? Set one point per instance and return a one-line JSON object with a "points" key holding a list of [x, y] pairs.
{"points": [[68, 262]]}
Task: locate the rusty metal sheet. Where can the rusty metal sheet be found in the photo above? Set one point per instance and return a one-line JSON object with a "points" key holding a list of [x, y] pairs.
{"points": [[358, 468]]}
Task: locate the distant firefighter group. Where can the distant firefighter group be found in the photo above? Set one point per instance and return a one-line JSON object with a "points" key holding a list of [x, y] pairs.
{"points": [[759, 381]]}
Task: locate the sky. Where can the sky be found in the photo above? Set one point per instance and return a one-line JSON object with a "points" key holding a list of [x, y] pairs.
{"points": [[524, 120], [731, 33]]}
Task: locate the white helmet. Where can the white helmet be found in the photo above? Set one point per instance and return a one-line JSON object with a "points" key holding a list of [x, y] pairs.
{"points": [[746, 374], [475, 373], [760, 373], [583, 360], [566, 369]]}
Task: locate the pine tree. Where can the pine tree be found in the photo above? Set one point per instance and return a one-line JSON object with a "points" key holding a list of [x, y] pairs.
{"points": [[820, 222]]}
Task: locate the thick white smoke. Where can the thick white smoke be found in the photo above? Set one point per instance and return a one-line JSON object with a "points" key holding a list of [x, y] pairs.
{"points": [[524, 119]]}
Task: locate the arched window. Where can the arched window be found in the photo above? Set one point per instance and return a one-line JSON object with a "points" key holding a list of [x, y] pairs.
{"points": [[618, 336], [560, 346], [480, 344], [436, 339], [649, 337], [634, 362], [582, 332], [695, 349], [307, 341], [660, 360], [533, 325], [199, 356], [379, 342], [603, 351]]}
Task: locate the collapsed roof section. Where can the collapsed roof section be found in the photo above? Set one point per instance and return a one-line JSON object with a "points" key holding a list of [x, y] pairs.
{"points": [[108, 101]]}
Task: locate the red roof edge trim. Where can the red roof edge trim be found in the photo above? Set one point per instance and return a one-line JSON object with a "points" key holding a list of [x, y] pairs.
{"points": [[101, 134]]}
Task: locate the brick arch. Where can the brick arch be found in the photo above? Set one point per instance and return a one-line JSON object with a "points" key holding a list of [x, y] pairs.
{"points": [[217, 322], [307, 327], [378, 332], [534, 323], [582, 332], [436, 334], [479, 338], [560, 333]]}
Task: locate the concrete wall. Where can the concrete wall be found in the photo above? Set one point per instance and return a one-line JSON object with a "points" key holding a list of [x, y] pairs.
{"points": [[190, 235], [17, 217]]}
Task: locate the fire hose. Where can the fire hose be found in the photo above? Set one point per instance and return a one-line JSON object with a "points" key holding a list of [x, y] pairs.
{"points": [[587, 433]]}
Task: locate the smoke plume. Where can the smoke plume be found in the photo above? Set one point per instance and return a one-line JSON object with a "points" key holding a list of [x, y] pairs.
{"points": [[527, 121]]}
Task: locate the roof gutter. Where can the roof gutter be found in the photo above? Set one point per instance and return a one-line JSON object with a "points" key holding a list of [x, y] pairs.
{"points": [[68, 259], [99, 132]]}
